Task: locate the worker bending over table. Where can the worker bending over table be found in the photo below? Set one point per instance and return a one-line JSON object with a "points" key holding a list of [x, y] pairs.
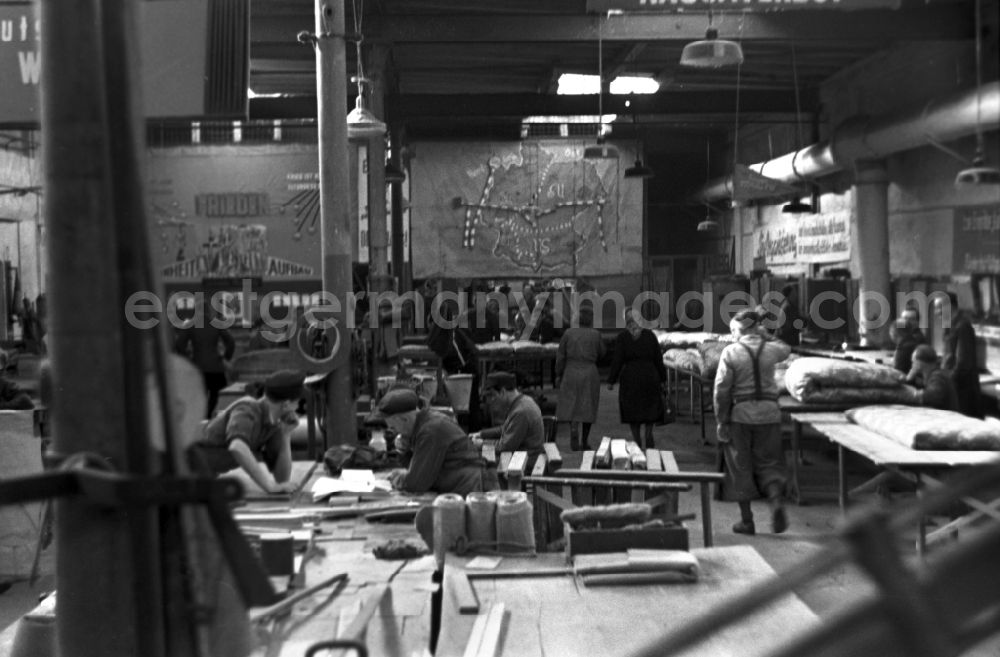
{"points": [[441, 457], [936, 389], [252, 428], [749, 419], [522, 428]]}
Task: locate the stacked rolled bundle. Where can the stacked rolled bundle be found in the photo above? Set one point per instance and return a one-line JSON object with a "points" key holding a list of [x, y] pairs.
{"points": [[515, 529], [449, 523], [832, 380], [480, 519]]}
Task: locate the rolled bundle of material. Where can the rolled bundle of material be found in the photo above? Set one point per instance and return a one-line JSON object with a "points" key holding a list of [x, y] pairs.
{"points": [[480, 518], [449, 523], [515, 529]]}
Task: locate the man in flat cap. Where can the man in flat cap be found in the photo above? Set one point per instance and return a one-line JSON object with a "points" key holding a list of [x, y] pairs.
{"points": [[250, 429], [522, 427], [749, 420], [935, 387], [441, 456]]}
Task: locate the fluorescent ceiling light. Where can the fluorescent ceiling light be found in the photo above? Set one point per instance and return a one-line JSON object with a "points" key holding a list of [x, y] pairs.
{"points": [[634, 84], [576, 118], [577, 84]]}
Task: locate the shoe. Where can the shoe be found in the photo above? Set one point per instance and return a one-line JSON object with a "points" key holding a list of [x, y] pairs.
{"points": [[745, 527], [779, 520]]}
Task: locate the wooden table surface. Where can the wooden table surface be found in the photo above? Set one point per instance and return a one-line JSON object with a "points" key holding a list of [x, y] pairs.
{"points": [[384, 603], [557, 615]]}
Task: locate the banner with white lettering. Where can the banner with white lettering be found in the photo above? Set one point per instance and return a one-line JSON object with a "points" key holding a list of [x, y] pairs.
{"points": [[977, 240], [599, 6], [824, 237], [234, 212], [172, 45]]}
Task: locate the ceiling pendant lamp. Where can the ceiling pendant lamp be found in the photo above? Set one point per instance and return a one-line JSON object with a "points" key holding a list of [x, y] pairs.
{"points": [[978, 173], [361, 123], [600, 150], [711, 52], [797, 206], [639, 170]]}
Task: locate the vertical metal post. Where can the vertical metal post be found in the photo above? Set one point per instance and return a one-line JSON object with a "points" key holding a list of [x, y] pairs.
{"points": [[335, 216]]}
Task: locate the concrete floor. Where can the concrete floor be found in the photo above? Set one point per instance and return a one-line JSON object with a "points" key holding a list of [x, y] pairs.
{"points": [[813, 525]]}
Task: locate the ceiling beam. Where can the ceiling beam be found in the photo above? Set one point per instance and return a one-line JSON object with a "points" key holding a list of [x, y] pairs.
{"points": [[515, 106], [933, 22]]}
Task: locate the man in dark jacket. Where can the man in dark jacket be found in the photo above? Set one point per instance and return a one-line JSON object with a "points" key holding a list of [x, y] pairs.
{"points": [[208, 346], [936, 389], [442, 459], [906, 335], [522, 427], [960, 355]]}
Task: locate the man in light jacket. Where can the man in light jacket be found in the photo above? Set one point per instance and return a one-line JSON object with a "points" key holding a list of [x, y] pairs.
{"points": [[749, 420]]}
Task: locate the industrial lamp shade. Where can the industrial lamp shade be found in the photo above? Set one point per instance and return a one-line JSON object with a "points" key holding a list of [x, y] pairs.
{"points": [[707, 226], [361, 123], [797, 207], [977, 175], [600, 151], [393, 174], [711, 52], [639, 170]]}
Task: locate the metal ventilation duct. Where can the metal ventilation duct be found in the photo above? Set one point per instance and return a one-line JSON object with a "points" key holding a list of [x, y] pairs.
{"points": [[868, 138]]}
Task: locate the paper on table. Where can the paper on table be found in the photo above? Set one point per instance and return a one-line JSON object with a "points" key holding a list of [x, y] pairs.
{"points": [[483, 563], [349, 481]]}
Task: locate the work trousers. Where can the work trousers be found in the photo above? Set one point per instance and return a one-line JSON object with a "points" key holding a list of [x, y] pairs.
{"points": [[755, 460]]}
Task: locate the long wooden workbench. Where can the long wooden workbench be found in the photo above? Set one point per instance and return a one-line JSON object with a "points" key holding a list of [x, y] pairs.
{"points": [[554, 614], [916, 465]]}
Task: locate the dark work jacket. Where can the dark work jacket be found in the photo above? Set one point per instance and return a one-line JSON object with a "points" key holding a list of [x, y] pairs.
{"points": [[443, 459]]}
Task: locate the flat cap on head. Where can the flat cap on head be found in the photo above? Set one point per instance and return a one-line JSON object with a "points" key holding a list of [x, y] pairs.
{"points": [[501, 380], [395, 401], [284, 385]]}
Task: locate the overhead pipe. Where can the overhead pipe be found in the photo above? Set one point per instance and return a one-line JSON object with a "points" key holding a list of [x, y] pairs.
{"points": [[872, 138]]}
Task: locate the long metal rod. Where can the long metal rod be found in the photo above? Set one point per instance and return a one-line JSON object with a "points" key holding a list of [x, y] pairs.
{"points": [[335, 219]]}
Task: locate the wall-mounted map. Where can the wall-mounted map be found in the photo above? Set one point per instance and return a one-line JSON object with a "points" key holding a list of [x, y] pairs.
{"points": [[523, 209]]}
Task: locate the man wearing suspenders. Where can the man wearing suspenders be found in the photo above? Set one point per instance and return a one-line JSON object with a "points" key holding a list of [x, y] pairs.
{"points": [[749, 420]]}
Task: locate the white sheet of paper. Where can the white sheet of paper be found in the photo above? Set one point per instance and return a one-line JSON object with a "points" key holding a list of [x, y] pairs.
{"points": [[349, 481], [483, 563]]}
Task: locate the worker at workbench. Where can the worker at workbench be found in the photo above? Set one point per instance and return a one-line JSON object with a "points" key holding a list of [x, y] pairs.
{"points": [[442, 458], [936, 389], [252, 428], [522, 427], [749, 420]]}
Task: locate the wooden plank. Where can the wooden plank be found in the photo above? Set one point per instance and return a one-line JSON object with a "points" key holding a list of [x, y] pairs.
{"points": [[485, 637], [503, 463], [515, 469], [669, 462], [540, 466], [464, 595], [602, 457], [489, 453], [636, 457], [553, 456], [584, 495], [619, 454], [654, 462]]}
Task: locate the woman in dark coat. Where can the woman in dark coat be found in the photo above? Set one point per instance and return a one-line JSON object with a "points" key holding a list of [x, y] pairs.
{"points": [[579, 381], [638, 366]]}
